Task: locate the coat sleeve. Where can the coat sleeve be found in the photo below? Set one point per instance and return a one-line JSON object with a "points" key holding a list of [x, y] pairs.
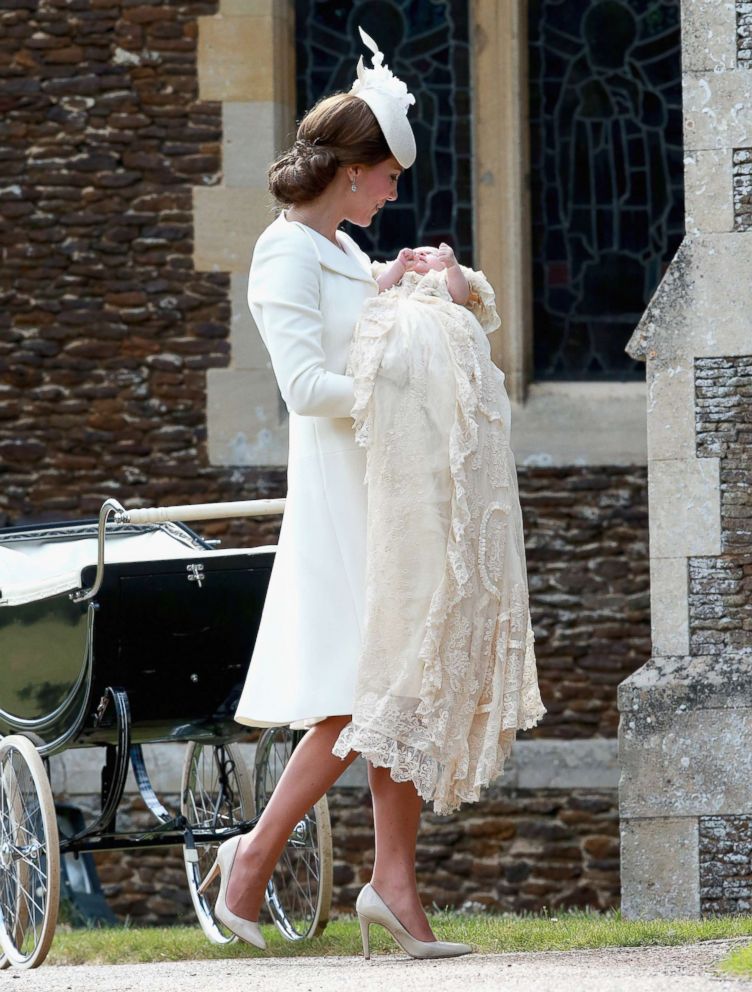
{"points": [[284, 299]]}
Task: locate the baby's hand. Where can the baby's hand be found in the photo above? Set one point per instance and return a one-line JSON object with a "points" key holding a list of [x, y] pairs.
{"points": [[409, 258], [446, 255]]}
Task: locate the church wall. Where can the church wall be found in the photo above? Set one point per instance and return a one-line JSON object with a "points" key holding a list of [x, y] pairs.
{"points": [[107, 327], [686, 718], [128, 211]]}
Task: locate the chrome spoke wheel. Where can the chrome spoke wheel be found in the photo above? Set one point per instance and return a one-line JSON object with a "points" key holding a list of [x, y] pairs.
{"points": [[299, 893], [29, 855], [216, 795]]}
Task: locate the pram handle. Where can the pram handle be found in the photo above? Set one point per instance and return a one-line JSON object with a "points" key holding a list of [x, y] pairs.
{"points": [[164, 514], [201, 511]]}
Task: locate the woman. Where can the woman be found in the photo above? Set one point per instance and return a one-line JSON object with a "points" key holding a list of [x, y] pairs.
{"points": [[307, 284]]}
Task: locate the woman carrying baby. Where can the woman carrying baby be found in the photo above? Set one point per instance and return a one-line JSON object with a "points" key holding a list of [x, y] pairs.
{"points": [[308, 284]]}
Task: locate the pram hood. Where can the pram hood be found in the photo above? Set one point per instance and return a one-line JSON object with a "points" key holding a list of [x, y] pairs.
{"points": [[37, 564]]}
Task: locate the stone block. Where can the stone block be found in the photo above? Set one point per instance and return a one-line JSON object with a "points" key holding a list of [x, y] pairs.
{"points": [[661, 331], [677, 683], [246, 424], [565, 764], [580, 423], [708, 34], [692, 313], [708, 191], [717, 110], [669, 613], [227, 222], [253, 134], [684, 507], [246, 58], [670, 409], [720, 319], [541, 764], [235, 57], [257, 8], [78, 771], [248, 350], [680, 760], [659, 868]]}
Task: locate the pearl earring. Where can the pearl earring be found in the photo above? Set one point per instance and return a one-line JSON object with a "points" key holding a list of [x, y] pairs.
{"points": [[354, 188]]}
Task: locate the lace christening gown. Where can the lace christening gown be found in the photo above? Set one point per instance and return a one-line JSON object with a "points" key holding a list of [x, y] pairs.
{"points": [[447, 673]]}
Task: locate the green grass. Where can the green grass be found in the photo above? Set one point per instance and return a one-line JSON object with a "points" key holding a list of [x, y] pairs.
{"points": [[569, 930], [738, 962]]}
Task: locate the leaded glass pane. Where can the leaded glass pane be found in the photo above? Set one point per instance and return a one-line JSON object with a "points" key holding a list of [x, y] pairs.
{"points": [[425, 43], [607, 176]]}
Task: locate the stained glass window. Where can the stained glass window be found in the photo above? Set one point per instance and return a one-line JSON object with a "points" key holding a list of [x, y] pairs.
{"points": [[425, 43], [606, 176]]}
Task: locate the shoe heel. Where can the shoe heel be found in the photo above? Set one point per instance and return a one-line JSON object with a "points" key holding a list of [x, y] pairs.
{"points": [[365, 926], [213, 872]]}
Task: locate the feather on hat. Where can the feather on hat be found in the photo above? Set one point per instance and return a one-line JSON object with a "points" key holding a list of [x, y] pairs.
{"points": [[388, 98]]}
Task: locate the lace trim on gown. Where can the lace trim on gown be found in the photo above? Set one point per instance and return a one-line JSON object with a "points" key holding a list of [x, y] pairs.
{"points": [[447, 674]]}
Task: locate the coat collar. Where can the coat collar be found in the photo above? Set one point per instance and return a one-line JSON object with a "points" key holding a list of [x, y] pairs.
{"points": [[351, 261]]}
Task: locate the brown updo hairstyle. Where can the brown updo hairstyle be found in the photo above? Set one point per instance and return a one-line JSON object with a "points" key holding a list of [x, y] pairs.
{"points": [[340, 129]]}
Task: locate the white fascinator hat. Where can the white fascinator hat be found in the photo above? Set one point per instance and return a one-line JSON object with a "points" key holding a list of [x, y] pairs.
{"points": [[388, 98]]}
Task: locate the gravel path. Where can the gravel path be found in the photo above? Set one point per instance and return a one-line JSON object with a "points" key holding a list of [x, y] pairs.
{"points": [[626, 969]]}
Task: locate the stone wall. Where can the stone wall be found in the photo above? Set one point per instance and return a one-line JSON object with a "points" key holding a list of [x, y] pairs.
{"points": [[725, 884], [515, 851], [588, 574], [744, 33], [720, 588], [106, 327], [684, 740], [742, 183]]}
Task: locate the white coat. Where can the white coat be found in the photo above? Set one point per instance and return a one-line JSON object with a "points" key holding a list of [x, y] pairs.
{"points": [[305, 295]]}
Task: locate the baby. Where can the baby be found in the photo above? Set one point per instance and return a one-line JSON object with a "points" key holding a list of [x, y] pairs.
{"points": [[422, 260]]}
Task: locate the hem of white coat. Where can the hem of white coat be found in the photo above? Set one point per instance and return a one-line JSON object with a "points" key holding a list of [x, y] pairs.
{"points": [[296, 722]]}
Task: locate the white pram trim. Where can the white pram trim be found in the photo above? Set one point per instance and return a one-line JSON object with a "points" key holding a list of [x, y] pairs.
{"points": [[36, 568]]}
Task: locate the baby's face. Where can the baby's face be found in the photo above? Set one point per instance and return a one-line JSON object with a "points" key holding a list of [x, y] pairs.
{"points": [[428, 258]]}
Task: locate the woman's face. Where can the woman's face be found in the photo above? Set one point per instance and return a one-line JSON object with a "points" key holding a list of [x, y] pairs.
{"points": [[376, 184]]}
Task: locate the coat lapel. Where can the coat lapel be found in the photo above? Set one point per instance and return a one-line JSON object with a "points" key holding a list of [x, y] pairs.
{"points": [[352, 262]]}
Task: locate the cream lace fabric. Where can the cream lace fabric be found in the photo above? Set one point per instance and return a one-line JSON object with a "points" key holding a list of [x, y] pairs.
{"points": [[447, 674]]}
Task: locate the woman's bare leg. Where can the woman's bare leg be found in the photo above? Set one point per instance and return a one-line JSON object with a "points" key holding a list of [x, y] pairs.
{"points": [[396, 815], [311, 770]]}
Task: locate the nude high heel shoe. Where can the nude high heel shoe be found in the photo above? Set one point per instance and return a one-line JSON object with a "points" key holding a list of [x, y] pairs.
{"points": [[371, 908], [247, 930]]}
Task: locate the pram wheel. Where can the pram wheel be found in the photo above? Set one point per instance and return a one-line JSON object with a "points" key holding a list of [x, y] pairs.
{"points": [[216, 795], [29, 855], [299, 893]]}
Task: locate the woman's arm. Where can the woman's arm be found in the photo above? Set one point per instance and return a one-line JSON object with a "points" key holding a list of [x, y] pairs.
{"points": [[284, 299]]}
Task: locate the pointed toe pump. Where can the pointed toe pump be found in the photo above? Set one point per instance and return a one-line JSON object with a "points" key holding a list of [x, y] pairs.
{"points": [[371, 908], [247, 930]]}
